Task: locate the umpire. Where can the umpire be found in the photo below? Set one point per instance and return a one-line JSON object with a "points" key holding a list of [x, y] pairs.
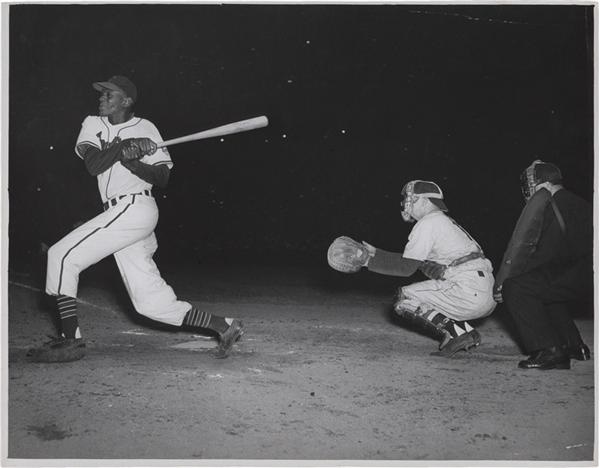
{"points": [[548, 270]]}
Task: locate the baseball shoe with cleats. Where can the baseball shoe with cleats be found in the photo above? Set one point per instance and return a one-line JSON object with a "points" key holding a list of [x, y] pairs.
{"points": [[228, 338], [464, 342], [58, 349]]}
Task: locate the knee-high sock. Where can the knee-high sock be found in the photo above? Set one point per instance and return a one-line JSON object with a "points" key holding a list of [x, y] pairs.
{"points": [[202, 319], [67, 312]]}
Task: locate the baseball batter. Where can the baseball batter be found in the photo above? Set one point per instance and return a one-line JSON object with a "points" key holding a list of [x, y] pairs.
{"points": [[120, 149], [461, 280]]}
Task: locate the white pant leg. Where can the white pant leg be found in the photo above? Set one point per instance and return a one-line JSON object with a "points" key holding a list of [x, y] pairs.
{"points": [[466, 296], [130, 220], [150, 294]]}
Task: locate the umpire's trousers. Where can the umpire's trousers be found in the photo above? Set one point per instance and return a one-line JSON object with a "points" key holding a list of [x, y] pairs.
{"points": [[539, 301]]}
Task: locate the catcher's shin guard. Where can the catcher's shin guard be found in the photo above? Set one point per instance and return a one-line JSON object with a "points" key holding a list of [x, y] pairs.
{"points": [[420, 319], [453, 337]]}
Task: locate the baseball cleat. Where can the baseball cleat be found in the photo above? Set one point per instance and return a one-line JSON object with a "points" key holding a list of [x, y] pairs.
{"points": [[59, 349], [228, 338], [461, 343]]}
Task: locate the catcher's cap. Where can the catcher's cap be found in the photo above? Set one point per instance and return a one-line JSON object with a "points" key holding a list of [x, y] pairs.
{"points": [[431, 190], [118, 83]]}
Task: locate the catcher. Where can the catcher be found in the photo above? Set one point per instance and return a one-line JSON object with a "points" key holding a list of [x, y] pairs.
{"points": [[461, 282]]}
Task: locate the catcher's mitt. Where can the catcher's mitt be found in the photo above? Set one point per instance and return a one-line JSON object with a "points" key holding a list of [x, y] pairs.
{"points": [[58, 350], [347, 255], [433, 270]]}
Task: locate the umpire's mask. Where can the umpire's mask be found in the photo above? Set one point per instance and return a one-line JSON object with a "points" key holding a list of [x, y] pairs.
{"points": [[538, 173]]}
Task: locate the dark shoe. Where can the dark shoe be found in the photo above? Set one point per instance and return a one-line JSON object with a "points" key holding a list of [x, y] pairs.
{"points": [[581, 352], [228, 338], [59, 349], [460, 343], [549, 358]]}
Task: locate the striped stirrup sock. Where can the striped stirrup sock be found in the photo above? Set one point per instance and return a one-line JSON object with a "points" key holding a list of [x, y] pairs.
{"points": [[201, 319], [67, 312], [452, 326]]}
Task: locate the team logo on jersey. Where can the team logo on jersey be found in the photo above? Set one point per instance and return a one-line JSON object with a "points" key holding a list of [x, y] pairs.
{"points": [[104, 144]]}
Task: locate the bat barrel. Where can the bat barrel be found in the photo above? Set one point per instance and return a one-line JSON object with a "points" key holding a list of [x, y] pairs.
{"points": [[228, 129]]}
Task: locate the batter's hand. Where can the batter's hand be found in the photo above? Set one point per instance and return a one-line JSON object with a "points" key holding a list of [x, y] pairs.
{"points": [[146, 145], [498, 294], [130, 151]]}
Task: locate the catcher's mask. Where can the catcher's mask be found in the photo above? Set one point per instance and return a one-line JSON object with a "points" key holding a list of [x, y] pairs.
{"points": [[416, 189], [538, 173]]}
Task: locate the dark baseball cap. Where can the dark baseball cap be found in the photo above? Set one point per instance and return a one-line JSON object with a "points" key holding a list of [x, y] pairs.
{"points": [[118, 83], [432, 191]]}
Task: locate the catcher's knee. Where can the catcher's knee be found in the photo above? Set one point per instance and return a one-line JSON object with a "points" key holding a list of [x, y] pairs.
{"points": [[403, 307]]}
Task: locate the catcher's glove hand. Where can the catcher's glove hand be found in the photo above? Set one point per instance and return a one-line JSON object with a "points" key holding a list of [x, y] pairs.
{"points": [[433, 270], [58, 350], [348, 256]]}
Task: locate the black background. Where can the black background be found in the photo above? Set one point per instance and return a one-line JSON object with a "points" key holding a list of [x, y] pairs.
{"points": [[361, 99]]}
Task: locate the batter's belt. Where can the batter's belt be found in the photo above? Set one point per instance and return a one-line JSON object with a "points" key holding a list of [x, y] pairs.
{"points": [[113, 201]]}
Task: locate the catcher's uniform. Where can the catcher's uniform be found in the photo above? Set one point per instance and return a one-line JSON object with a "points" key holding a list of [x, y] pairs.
{"points": [[125, 229], [466, 292]]}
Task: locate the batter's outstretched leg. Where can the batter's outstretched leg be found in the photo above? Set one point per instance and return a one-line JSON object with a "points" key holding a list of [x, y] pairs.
{"points": [[154, 298], [228, 329]]}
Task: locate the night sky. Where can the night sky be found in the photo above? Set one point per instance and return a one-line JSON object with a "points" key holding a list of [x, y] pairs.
{"points": [[360, 99]]}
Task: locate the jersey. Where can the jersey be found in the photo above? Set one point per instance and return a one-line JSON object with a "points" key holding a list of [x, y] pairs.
{"points": [[118, 180], [439, 238]]}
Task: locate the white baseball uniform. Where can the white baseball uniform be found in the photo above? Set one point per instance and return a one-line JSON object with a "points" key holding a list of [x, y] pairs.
{"points": [[465, 293], [125, 229]]}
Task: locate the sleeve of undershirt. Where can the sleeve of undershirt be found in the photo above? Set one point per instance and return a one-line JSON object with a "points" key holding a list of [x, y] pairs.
{"points": [[88, 135], [392, 264], [157, 175]]}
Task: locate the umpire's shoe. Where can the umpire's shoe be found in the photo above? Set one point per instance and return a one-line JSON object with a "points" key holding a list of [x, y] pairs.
{"points": [[59, 349], [461, 342], [228, 338], [549, 358], [580, 352]]}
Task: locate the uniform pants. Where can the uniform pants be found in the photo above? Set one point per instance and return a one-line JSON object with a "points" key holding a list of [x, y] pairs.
{"points": [[539, 301], [125, 230], [465, 294]]}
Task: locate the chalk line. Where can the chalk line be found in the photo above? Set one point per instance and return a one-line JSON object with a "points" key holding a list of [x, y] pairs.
{"points": [[81, 301]]}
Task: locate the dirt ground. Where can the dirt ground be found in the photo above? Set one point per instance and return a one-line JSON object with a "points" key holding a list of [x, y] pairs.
{"points": [[322, 373]]}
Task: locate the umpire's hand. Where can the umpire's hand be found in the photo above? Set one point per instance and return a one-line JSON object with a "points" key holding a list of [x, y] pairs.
{"points": [[498, 294]]}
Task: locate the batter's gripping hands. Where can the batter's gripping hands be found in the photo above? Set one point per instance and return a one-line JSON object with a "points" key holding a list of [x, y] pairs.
{"points": [[146, 145], [137, 148], [433, 270], [349, 256]]}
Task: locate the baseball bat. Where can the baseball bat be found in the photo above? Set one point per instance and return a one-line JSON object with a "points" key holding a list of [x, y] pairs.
{"points": [[234, 127]]}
